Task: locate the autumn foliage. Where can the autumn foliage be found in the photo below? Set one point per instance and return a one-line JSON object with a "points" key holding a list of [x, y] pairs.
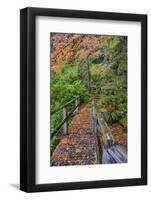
{"points": [[90, 66], [66, 48]]}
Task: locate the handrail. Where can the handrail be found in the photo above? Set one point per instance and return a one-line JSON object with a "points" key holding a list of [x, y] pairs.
{"points": [[63, 121], [61, 107], [111, 152], [66, 116], [99, 123]]}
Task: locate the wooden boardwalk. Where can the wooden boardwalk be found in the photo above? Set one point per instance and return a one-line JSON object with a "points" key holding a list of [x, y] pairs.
{"points": [[80, 146]]}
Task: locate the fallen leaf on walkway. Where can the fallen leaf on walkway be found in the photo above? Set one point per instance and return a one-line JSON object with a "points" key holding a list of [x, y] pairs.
{"points": [[78, 150]]}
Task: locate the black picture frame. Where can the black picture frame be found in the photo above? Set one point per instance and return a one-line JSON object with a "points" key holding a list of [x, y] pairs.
{"points": [[28, 99]]}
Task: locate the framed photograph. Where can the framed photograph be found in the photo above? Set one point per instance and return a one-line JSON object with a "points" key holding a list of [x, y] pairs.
{"points": [[83, 99]]}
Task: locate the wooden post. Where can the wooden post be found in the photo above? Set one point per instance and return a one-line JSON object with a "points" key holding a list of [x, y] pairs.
{"points": [[88, 75], [105, 55], [79, 72], [94, 118], [65, 125], [95, 130], [77, 101]]}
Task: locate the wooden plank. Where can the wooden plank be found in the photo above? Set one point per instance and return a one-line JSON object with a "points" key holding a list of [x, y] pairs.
{"points": [[75, 149], [115, 154]]}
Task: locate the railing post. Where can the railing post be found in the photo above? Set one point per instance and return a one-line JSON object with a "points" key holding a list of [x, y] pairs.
{"points": [[94, 118], [65, 125], [94, 115], [76, 105]]}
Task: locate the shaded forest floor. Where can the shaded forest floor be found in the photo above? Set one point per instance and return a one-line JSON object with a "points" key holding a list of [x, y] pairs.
{"points": [[119, 135]]}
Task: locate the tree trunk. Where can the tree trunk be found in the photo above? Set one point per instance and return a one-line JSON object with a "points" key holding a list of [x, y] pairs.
{"points": [[88, 75]]}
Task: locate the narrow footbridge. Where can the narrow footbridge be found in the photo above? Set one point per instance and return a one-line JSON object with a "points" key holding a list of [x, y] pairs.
{"points": [[86, 140]]}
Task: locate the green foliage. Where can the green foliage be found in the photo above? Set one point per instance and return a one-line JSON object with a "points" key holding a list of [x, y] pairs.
{"points": [[106, 74], [96, 83], [113, 99], [123, 122], [53, 143], [98, 60], [66, 86], [56, 118], [111, 84], [114, 43]]}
